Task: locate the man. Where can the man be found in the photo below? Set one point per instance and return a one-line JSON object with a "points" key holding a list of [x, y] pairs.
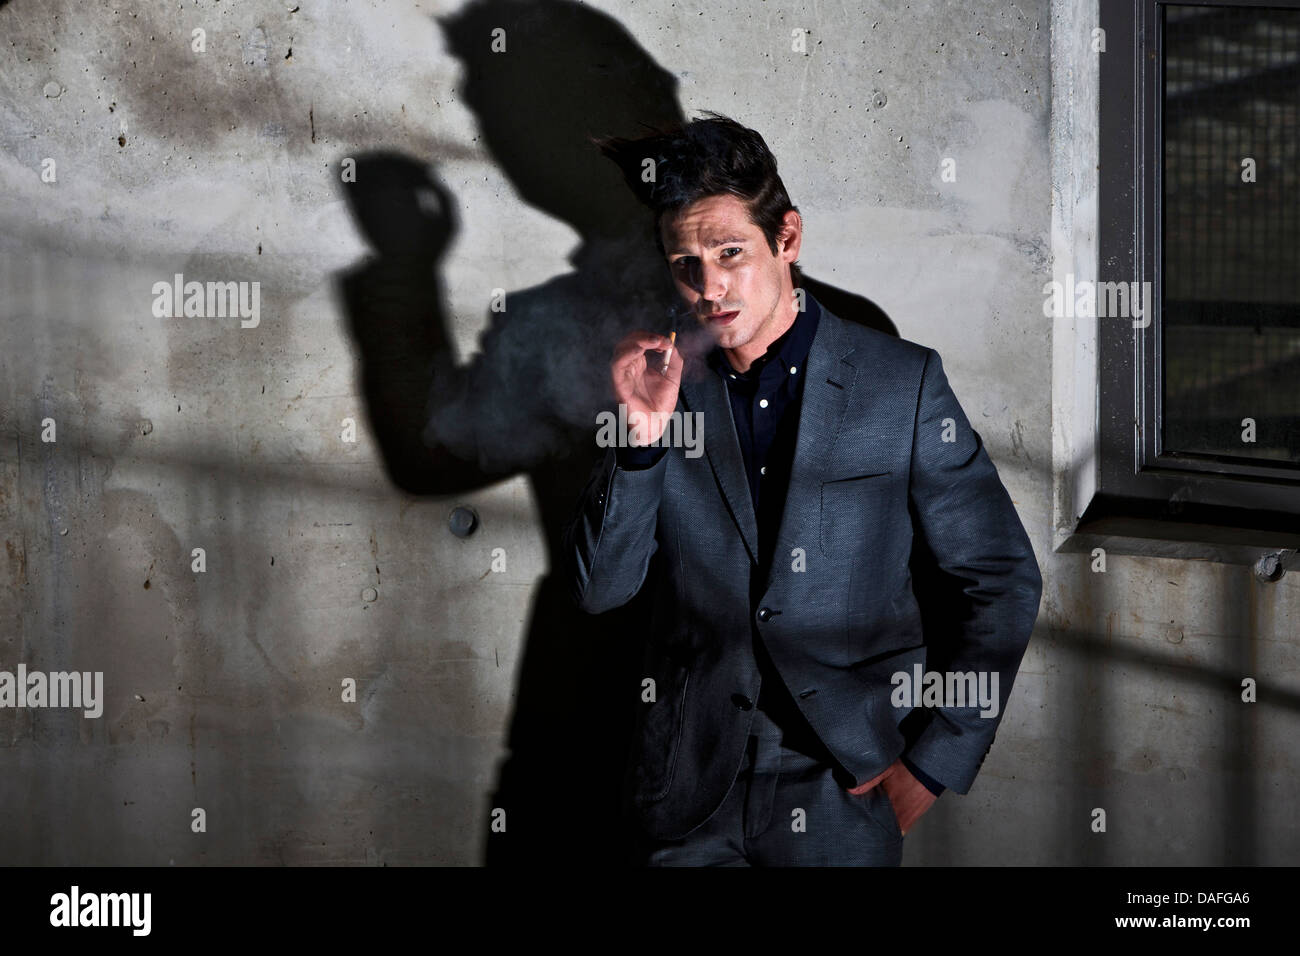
{"points": [[779, 722]]}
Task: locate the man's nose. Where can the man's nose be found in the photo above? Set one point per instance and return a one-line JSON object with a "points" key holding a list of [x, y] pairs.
{"points": [[713, 287]]}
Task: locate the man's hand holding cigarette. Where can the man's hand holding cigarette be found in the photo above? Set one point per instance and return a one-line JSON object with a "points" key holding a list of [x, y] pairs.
{"points": [[646, 383]]}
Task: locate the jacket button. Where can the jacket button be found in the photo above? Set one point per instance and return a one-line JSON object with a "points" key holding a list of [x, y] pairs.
{"points": [[742, 702], [765, 614]]}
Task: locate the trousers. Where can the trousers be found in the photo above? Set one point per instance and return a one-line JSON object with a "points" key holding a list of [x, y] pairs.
{"points": [[788, 806]]}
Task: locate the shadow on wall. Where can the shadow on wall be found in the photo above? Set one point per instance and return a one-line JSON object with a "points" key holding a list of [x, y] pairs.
{"points": [[527, 403]]}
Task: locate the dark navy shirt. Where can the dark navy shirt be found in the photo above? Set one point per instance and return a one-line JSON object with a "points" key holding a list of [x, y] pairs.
{"points": [[765, 403]]}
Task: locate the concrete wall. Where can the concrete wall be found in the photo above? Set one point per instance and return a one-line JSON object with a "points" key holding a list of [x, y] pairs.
{"points": [[328, 559]]}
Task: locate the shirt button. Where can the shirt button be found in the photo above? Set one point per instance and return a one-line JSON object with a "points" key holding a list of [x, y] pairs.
{"points": [[793, 370], [762, 403], [732, 374], [763, 470]]}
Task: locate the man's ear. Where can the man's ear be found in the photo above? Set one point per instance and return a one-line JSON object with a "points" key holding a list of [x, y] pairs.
{"points": [[790, 236]]}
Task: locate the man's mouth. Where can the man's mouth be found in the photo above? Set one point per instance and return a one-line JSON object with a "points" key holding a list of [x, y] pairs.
{"points": [[721, 318]]}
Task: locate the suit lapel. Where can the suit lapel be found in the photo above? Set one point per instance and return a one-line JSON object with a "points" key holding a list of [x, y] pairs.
{"points": [[826, 391], [705, 391]]}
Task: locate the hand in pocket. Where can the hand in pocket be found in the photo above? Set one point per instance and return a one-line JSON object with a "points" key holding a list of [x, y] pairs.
{"points": [[907, 795]]}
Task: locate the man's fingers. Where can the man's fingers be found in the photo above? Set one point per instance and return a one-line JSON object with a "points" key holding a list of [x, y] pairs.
{"points": [[629, 361], [674, 371], [863, 788], [628, 370], [636, 343]]}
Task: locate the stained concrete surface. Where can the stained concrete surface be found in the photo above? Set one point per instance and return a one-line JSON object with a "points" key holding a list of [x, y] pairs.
{"points": [[477, 688]]}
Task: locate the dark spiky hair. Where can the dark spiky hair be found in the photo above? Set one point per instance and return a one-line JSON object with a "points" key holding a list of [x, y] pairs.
{"points": [[709, 156]]}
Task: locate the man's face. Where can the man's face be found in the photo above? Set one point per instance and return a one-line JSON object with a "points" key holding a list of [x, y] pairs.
{"points": [[725, 272]]}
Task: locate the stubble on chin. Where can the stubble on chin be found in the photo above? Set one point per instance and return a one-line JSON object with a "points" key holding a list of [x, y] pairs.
{"points": [[729, 339]]}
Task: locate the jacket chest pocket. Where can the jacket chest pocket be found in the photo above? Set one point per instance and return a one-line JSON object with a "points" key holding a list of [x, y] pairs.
{"points": [[851, 510]]}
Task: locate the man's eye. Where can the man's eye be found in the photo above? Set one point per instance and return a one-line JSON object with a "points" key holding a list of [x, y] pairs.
{"points": [[735, 250]]}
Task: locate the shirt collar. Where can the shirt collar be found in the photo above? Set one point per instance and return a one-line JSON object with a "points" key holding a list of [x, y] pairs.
{"points": [[791, 348]]}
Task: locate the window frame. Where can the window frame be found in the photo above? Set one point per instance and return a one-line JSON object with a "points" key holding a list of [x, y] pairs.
{"points": [[1141, 491]]}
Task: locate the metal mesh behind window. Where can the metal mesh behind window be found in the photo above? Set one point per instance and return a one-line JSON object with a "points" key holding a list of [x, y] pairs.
{"points": [[1231, 248]]}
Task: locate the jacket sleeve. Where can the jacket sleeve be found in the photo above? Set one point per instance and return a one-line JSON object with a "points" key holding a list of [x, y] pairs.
{"points": [[992, 581], [609, 542]]}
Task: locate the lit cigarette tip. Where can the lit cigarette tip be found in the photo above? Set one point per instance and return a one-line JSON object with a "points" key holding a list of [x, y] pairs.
{"points": [[668, 353]]}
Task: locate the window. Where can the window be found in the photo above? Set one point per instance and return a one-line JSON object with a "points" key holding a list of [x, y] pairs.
{"points": [[1195, 447]]}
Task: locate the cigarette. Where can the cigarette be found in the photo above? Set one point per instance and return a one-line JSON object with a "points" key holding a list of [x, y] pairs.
{"points": [[668, 353]]}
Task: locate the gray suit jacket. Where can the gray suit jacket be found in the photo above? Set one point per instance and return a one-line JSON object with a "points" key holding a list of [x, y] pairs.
{"points": [[884, 456]]}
